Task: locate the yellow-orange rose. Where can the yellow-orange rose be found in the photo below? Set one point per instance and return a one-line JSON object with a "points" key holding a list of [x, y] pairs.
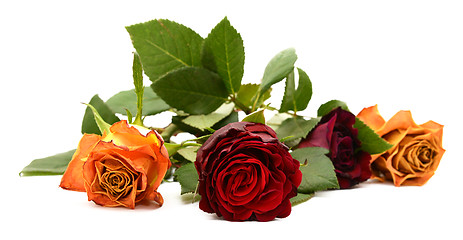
{"points": [[416, 152], [120, 168]]}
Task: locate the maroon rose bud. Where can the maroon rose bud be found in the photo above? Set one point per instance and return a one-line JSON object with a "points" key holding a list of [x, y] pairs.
{"points": [[246, 173], [336, 133]]}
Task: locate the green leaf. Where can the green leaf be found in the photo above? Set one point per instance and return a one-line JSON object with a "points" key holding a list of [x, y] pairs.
{"points": [[152, 103], [192, 90], [164, 46], [88, 123], [183, 127], [288, 102], [206, 121], [246, 94], [278, 68], [233, 117], [189, 153], [247, 91], [178, 122], [304, 91], [296, 99], [371, 142], [317, 170], [187, 176], [300, 198], [53, 165], [172, 148], [329, 106], [277, 119], [295, 127], [256, 117], [223, 52]]}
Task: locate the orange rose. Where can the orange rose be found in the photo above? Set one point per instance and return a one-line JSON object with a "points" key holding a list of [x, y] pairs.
{"points": [[416, 152], [120, 168]]}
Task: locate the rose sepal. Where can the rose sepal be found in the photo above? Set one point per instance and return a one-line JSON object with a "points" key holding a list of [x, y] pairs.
{"points": [[100, 122]]}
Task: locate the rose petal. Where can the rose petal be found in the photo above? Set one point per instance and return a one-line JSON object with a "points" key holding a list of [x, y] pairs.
{"points": [[73, 178], [371, 117], [240, 170], [379, 169], [320, 136], [401, 120], [436, 129], [155, 196], [122, 134]]}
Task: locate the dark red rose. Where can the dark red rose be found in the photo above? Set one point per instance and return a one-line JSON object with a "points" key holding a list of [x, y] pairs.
{"points": [[246, 173], [336, 133]]}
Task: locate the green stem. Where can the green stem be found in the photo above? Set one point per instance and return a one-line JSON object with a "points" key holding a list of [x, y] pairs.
{"points": [[196, 139], [168, 132], [241, 106], [189, 144], [255, 102], [138, 118], [139, 88], [173, 148]]}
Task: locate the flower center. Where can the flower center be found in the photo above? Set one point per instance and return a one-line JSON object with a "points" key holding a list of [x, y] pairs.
{"points": [[117, 181], [342, 152], [420, 155], [242, 181]]}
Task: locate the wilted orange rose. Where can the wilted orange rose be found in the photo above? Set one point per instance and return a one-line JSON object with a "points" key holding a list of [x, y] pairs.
{"points": [[416, 152], [120, 168]]}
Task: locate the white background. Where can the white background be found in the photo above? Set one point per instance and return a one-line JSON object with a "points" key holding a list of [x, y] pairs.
{"points": [[397, 54]]}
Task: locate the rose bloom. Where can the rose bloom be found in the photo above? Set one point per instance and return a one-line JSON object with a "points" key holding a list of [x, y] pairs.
{"points": [[246, 173], [416, 152], [119, 168], [336, 133]]}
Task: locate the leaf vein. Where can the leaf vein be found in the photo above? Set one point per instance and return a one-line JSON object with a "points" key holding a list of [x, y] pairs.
{"points": [[167, 53]]}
